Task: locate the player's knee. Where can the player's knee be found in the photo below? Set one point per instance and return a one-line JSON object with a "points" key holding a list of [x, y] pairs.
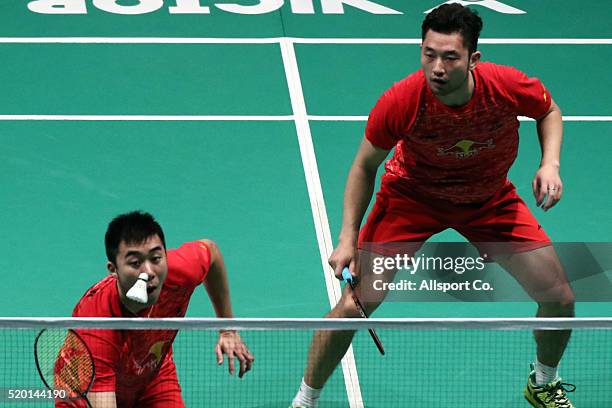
{"points": [[346, 308], [567, 301], [563, 306]]}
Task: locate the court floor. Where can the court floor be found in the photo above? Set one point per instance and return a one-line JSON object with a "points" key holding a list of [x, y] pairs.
{"points": [[241, 128]]}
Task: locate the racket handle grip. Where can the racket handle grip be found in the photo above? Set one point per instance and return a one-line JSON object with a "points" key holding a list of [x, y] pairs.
{"points": [[346, 274]]}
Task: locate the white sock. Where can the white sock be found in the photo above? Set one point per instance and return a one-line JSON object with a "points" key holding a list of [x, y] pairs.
{"points": [[306, 396], [545, 374]]}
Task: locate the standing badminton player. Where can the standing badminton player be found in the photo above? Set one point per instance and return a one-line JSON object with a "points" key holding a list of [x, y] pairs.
{"points": [[134, 367], [454, 128]]}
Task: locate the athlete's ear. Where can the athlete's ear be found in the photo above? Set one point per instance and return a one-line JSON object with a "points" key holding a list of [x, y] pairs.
{"points": [[474, 59], [112, 269]]}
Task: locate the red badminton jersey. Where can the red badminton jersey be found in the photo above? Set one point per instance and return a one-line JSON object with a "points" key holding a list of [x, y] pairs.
{"points": [[460, 154], [127, 361]]}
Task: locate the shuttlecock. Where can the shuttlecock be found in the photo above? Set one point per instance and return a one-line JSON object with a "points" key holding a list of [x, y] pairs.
{"points": [[138, 292]]}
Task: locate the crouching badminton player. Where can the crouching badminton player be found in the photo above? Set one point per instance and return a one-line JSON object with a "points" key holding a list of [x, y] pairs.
{"points": [[134, 368]]}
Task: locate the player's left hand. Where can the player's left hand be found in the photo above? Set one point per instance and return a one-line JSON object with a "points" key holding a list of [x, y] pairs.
{"points": [[547, 186], [231, 344]]}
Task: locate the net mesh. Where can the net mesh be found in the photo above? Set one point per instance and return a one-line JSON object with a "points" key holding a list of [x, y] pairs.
{"points": [[442, 367]]}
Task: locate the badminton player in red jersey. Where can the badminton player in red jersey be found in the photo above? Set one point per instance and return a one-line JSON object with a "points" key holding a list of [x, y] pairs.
{"points": [[454, 128], [135, 368]]}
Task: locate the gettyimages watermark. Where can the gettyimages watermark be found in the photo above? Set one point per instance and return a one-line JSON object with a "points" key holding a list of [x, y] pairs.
{"points": [[459, 271]]}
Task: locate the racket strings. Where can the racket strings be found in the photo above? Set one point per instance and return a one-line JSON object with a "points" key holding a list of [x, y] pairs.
{"points": [[66, 362], [74, 373]]}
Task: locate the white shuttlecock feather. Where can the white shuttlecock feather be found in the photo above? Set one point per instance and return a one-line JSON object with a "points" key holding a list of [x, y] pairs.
{"points": [[138, 292]]}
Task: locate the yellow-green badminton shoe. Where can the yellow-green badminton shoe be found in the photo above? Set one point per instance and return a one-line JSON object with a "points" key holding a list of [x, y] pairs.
{"points": [[551, 395]]}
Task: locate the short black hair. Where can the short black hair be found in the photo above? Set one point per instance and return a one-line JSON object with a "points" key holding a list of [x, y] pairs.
{"points": [[132, 228], [454, 18]]}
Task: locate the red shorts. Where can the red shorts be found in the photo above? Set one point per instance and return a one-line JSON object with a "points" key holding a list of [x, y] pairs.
{"points": [[402, 216]]}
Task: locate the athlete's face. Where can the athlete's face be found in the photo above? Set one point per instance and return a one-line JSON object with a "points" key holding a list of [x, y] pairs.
{"points": [[446, 63], [135, 258]]}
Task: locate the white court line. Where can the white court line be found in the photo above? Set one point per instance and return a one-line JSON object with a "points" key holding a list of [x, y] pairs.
{"points": [[331, 118], [549, 41], [237, 118], [128, 118], [339, 118], [317, 204], [584, 118], [136, 40], [277, 40]]}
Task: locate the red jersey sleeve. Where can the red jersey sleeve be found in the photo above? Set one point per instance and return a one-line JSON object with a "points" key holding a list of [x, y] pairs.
{"points": [[189, 263], [530, 96], [395, 112], [381, 129]]}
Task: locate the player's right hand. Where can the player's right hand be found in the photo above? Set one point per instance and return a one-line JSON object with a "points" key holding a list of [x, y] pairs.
{"points": [[345, 254]]}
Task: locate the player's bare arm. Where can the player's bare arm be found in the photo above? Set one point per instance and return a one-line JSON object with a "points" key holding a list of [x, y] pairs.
{"points": [[547, 184], [217, 286], [357, 195], [102, 399]]}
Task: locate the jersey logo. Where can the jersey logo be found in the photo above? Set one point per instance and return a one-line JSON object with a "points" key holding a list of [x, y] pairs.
{"points": [[157, 351], [151, 361], [465, 148]]}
